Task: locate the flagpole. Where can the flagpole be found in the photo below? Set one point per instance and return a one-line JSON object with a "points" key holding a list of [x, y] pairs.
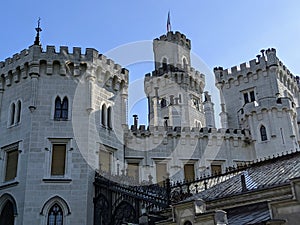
{"points": [[169, 22]]}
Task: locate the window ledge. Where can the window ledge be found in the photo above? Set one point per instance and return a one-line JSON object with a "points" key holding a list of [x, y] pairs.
{"points": [[13, 125], [9, 184], [57, 180]]}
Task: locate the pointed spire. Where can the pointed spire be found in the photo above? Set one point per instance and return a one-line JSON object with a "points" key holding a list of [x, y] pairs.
{"points": [[169, 22], [38, 30]]}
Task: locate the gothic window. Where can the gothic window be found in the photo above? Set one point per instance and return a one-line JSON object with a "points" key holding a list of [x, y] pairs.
{"points": [[55, 215], [7, 214], [61, 109], [12, 114], [263, 133], [189, 172], [103, 115], [18, 112], [109, 117], [184, 63], [58, 163], [64, 109], [164, 63]]}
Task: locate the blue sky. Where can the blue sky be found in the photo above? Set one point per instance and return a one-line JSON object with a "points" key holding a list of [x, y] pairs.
{"points": [[223, 33]]}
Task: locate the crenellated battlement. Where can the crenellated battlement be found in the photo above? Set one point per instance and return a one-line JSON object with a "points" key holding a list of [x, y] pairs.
{"points": [[180, 75], [265, 60], [63, 62], [176, 37], [182, 132]]}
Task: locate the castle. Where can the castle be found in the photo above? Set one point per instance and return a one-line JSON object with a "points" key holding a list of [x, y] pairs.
{"points": [[63, 116]]}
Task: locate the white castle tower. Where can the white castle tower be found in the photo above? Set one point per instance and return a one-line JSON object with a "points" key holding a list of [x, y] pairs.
{"points": [[174, 89], [262, 96], [61, 117]]}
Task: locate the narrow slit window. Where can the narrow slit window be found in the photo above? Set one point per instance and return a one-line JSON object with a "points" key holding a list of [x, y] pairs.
{"points": [[12, 114], [18, 112]]}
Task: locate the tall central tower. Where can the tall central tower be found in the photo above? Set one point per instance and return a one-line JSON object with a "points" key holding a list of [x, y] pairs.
{"points": [[174, 89]]}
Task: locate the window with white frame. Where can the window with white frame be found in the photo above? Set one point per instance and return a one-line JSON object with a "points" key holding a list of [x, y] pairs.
{"points": [[103, 115], [106, 158], [161, 171], [59, 158], [61, 108], [249, 95], [14, 114], [10, 161], [189, 171], [58, 161]]}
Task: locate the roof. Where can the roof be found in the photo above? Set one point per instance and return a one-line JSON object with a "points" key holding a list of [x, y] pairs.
{"points": [[261, 175], [250, 214]]}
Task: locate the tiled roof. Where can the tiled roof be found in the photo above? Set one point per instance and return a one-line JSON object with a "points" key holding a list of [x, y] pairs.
{"points": [[268, 173], [250, 214]]}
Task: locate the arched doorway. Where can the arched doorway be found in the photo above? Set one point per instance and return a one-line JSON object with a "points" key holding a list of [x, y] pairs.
{"points": [[7, 214]]}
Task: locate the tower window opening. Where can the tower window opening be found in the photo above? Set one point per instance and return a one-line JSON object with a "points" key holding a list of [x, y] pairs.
{"points": [[109, 125], [18, 111], [164, 63], [12, 114], [263, 133], [103, 115], [163, 103], [61, 108], [184, 63], [249, 96]]}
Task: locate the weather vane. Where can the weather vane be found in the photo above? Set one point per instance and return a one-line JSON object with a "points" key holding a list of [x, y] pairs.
{"points": [[38, 30]]}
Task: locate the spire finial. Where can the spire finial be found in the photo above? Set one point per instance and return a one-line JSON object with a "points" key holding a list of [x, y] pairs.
{"points": [[169, 22], [38, 30]]}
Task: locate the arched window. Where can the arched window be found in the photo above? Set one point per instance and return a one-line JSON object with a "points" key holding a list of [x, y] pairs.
{"points": [[61, 108], [163, 103], [12, 114], [55, 211], [184, 63], [109, 117], [164, 63], [187, 223], [55, 215], [263, 133], [57, 113], [103, 115], [18, 119], [64, 109], [7, 214]]}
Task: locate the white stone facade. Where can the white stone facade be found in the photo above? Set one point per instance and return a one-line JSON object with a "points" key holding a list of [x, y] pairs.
{"points": [[181, 130]]}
